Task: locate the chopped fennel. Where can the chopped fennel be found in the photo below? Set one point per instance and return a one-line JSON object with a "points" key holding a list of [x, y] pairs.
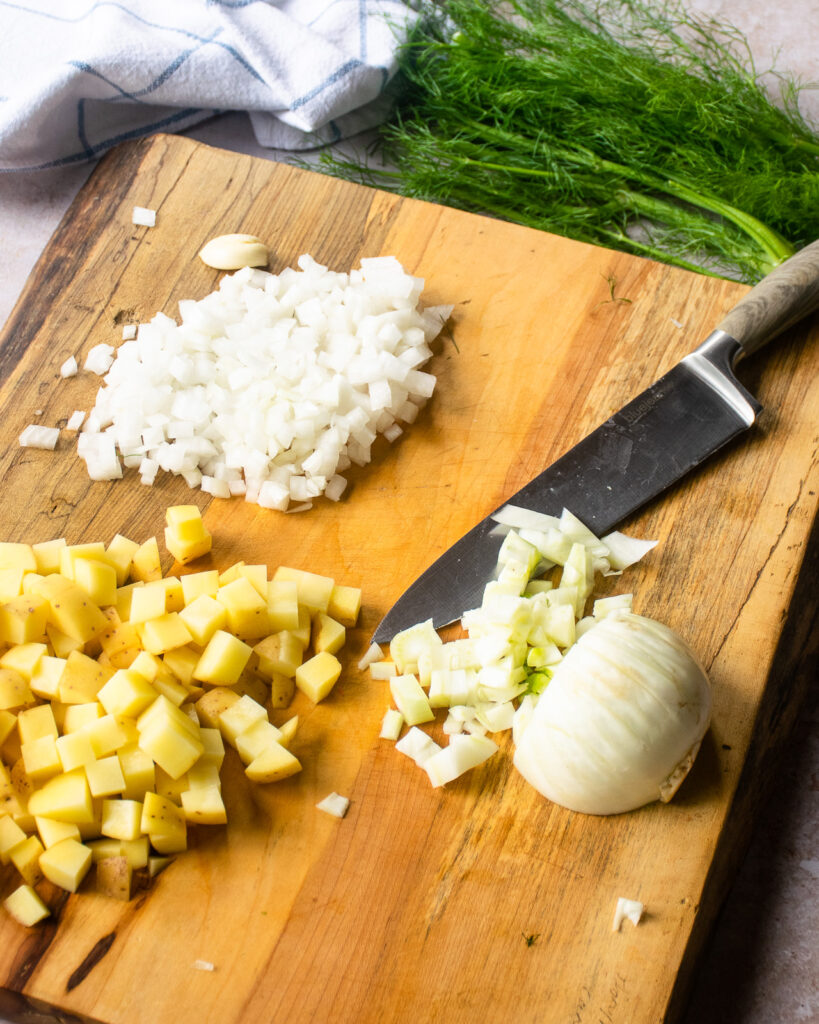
{"points": [[391, 724], [489, 681], [371, 655]]}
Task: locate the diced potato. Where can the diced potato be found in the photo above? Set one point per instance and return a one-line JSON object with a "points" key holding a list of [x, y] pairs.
{"points": [[304, 630], [10, 799], [165, 633], [98, 579], [246, 609], [145, 562], [223, 660], [119, 553], [138, 770], [255, 739], [345, 604], [15, 691], [212, 703], [203, 616], [11, 583], [47, 555], [314, 590], [203, 774], [137, 851], [126, 694], [115, 877], [177, 693], [282, 690], [283, 604], [328, 634], [253, 684], [66, 797], [105, 777], [52, 831], [23, 619], [148, 602], [75, 716], [282, 652], [17, 556], [41, 759], [288, 730], [73, 553], [24, 658], [162, 710], [182, 661], [121, 642], [204, 806], [273, 764], [26, 858], [197, 583], [121, 819], [45, 682], [62, 644], [25, 906], [214, 747], [11, 836], [164, 823], [108, 734], [36, 722], [239, 717], [318, 675], [82, 679], [71, 610], [75, 750], [257, 575], [173, 748], [186, 536], [66, 864], [8, 723], [174, 594], [157, 865]]}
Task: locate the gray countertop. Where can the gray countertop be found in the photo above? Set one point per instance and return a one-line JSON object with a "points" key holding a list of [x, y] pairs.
{"points": [[761, 964]]}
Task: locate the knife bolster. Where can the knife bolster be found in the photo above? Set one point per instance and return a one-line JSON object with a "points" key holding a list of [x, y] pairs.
{"points": [[713, 362]]}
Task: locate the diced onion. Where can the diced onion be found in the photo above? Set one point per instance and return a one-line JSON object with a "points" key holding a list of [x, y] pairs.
{"points": [[273, 385], [631, 910], [99, 359], [69, 367], [144, 217], [334, 804], [36, 436]]}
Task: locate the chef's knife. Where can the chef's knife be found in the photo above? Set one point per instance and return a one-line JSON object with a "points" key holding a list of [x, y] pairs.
{"points": [[662, 434]]}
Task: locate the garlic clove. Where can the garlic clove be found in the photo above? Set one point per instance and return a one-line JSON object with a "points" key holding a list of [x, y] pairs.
{"points": [[232, 252]]}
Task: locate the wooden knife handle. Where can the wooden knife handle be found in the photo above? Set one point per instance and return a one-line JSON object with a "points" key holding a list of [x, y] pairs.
{"points": [[785, 296]]}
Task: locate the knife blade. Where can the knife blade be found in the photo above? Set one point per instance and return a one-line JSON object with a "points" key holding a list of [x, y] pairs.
{"points": [[662, 434]]}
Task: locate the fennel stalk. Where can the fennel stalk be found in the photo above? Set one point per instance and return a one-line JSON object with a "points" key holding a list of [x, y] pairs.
{"points": [[624, 123]]}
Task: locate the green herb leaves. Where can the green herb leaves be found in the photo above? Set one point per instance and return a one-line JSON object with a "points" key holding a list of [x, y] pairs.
{"points": [[628, 124]]}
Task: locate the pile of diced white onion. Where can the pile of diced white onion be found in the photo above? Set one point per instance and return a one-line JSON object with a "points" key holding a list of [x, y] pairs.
{"points": [[270, 387]]}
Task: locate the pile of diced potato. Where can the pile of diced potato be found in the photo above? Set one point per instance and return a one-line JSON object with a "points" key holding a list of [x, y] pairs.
{"points": [[119, 689]]}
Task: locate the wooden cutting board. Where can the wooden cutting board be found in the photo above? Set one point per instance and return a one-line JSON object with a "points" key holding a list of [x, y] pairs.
{"points": [[481, 901]]}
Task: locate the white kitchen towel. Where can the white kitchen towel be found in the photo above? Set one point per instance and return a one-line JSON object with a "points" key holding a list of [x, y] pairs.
{"points": [[79, 76]]}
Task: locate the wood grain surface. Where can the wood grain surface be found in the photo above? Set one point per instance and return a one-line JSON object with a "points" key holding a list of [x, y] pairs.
{"points": [[480, 902]]}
